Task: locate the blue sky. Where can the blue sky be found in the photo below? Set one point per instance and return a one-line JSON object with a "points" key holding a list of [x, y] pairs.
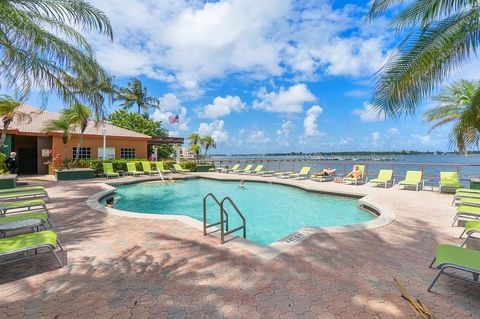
{"points": [[261, 75]]}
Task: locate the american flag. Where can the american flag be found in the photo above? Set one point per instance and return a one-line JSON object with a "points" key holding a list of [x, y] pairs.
{"points": [[173, 119]]}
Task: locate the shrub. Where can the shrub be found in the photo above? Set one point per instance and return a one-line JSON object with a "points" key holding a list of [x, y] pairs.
{"points": [[3, 165]]}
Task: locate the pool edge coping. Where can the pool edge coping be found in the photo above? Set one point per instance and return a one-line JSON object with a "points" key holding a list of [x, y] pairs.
{"points": [[385, 216]]}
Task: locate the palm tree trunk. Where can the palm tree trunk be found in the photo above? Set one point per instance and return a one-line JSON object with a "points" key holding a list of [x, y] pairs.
{"points": [[80, 142], [64, 152]]}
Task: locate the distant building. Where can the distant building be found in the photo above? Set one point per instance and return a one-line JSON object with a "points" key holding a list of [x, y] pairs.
{"points": [[32, 145], [186, 153]]}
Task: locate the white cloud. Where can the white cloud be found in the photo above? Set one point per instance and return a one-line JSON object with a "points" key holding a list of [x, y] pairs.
{"points": [[375, 136], [368, 113], [393, 131], [424, 139], [258, 137], [171, 105], [186, 43], [289, 100], [284, 132], [215, 129], [310, 121], [345, 141], [222, 106]]}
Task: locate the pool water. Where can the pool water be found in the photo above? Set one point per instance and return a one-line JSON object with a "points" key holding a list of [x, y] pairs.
{"points": [[271, 211]]}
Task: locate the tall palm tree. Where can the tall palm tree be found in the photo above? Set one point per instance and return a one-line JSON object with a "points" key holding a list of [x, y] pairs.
{"points": [[10, 110], [458, 103], [40, 43], [78, 115], [195, 148], [93, 89], [441, 36], [63, 126], [194, 138], [208, 142], [136, 94]]}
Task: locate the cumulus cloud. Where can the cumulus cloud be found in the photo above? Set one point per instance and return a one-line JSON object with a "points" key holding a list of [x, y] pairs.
{"points": [[368, 113], [284, 132], [424, 139], [222, 106], [289, 100], [258, 137], [214, 129], [393, 131], [310, 121], [186, 43], [375, 136], [170, 105]]}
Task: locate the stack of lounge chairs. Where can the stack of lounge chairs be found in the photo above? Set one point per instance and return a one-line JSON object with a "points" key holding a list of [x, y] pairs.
{"points": [[458, 258], [22, 210]]}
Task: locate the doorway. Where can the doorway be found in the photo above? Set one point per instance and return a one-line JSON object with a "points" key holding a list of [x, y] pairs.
{"points": [[26, 148]]}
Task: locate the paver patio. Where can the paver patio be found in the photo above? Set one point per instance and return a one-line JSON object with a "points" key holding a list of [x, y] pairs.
{"points": [[125, 267]]}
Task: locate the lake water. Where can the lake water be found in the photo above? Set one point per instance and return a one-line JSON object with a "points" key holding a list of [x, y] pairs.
{"points": [[467, 166]]}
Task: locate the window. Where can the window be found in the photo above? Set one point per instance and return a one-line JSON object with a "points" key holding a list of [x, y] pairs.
{"points": [[85, 153], [127, 153]]}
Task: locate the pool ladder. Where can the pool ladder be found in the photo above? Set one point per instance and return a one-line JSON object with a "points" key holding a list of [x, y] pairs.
{"points": [[224, 231]]}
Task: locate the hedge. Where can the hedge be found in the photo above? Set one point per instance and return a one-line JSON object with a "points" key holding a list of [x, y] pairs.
{"points": [[121, 164]]}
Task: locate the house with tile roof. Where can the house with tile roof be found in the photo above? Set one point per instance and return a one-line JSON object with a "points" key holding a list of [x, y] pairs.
{"points": [[33, 145]]}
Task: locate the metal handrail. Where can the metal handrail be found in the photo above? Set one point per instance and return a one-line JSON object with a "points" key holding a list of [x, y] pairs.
{"points": [[205, 226], [223, 233], [274, 164]]}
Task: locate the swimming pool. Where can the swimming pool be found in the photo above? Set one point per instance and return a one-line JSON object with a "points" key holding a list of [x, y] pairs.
{"points": [[272, 211]]}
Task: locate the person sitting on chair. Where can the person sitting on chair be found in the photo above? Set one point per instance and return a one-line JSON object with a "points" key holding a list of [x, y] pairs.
{"points": [[326, 172], [356, 173]]}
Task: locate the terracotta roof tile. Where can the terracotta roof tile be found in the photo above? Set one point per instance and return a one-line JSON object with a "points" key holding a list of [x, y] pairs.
{"points": [[40, 118]]}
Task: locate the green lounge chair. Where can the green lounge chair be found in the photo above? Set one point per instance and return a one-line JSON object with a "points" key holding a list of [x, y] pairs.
{"points": [[246, 170], [161, 168], [266, 173], [180, 170], [147, 169], [355, 181], [323, 177], [108, 170], [37, 214], [472, 227], [470, 201], [460, 195], [23, 194], [385, 178], [257, 170], [413, 178], [468, 190], [303, 174], [457, 258], [283, 174], [21, 189], [449, 180], [132, 169], [465, 211], [24, 205], [26, 242], [235, 168]]}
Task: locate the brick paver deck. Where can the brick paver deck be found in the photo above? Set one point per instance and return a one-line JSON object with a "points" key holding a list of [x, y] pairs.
{"points": [[123, 267]]}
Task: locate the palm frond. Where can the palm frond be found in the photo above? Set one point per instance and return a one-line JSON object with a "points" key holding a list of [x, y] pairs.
{"points": [[422, 62]]}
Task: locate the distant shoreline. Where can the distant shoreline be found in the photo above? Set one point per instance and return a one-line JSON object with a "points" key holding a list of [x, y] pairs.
{"points": [[359, 153]]}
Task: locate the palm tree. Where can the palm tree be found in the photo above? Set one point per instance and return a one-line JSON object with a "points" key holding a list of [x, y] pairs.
{"points": [[441, 36], [78, 115], [458, 103], [63, 126], [195, 148], [136, 94], [93, 89], [194, 138], [40, 43], [208, 142], [9, 110]]}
